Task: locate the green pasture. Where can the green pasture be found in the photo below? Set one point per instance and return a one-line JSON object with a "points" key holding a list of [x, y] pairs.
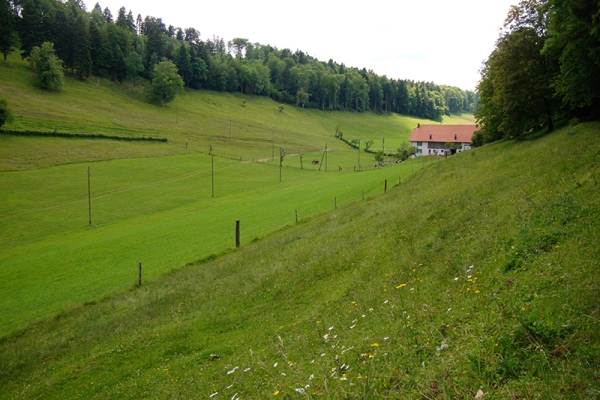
{"points": [[477, 273], [236, 126], [159, 211]]}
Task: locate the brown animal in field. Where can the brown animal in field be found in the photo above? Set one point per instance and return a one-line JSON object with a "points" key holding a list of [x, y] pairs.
{"points": [[315, 162]]}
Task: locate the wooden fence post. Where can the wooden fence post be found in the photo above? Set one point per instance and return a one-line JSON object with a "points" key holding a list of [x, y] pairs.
{"points": [[296, 216], [140, 274], [237, 233], [385, 186]]}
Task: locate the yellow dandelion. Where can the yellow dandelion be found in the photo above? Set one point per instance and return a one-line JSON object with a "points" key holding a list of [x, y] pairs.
{"points": [[401, 286], [477, 291], [276, 393], [375, 345]]}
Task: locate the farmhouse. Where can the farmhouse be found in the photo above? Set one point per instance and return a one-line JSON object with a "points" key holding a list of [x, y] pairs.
{"points": [[433, 139]]}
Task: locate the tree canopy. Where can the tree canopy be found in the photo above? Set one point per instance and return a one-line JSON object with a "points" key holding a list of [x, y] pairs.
{"points": [[545, 65], [97, 42], [166, 81], [47, 66]]}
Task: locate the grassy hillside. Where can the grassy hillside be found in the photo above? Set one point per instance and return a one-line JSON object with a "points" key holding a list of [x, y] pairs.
{"points": [[478, 273], [233, 124], [159, 211]]}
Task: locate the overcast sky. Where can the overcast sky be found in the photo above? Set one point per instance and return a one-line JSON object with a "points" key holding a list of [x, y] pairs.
{"points": [[444, 41]]}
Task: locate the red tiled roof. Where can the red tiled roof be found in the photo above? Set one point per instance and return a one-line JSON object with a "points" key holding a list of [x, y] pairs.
{"points": [[443, 133]]}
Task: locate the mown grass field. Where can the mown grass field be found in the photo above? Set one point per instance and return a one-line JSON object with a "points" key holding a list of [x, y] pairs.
{"points": [[478, 273], [159, 211], [152, 202]]}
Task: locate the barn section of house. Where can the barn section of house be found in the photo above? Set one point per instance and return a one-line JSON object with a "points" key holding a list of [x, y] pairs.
{"points": [[432, 139]]}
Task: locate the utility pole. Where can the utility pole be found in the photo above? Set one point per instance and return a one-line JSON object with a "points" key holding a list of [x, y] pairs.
{"points": [[281, 155], [325, 156], [359, 152], [89, 197]]}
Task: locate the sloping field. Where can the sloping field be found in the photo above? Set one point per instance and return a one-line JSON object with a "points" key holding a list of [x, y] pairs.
{"points": [[477, 273], [234, 125]]}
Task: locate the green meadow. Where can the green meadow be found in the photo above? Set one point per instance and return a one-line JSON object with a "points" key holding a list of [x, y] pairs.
{"points": [[474, 275], [158, 211], [153, 202], [478, 274]]}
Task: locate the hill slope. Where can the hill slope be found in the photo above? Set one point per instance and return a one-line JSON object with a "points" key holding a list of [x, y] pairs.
{"points": [[234, 125], [479, 273]]}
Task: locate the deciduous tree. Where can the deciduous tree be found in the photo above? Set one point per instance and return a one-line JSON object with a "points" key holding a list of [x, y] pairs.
{"points": [[48, 67], [166, 82]]}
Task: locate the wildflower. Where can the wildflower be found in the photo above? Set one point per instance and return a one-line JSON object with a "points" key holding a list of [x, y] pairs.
{"points": [[323, 355], [385, 302], [477, 291], [343, 378], [311, 377], [522, 308], [232, 371], [300, 390], [401, 286], [275, 365], [456, 278], [331, 328], [449, 310], [370, 310], [371, 356], [443, 346], [276, 392], [386, 338], [352, 327], [375, 345], [214, 394]]}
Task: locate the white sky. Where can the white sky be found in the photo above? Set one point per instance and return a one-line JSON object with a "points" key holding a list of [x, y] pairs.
{"points": [[444, 41]]}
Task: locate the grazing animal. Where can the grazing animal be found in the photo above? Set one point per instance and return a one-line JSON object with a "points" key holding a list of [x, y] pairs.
{"points": [[315, 162]]}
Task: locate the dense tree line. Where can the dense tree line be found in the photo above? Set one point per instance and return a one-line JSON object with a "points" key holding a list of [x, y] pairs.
{"points": [[546, 65], [128, 47]]}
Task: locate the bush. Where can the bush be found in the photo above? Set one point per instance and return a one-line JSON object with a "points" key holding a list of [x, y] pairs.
{"points": [[48, 67], [5, 114]]}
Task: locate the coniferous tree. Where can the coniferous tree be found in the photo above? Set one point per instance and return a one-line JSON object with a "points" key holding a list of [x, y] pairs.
{"points": [[82, 46], [8, 32]]}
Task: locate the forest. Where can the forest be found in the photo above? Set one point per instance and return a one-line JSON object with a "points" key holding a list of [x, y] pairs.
{"points": [[545, 68], [124, 47]]}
